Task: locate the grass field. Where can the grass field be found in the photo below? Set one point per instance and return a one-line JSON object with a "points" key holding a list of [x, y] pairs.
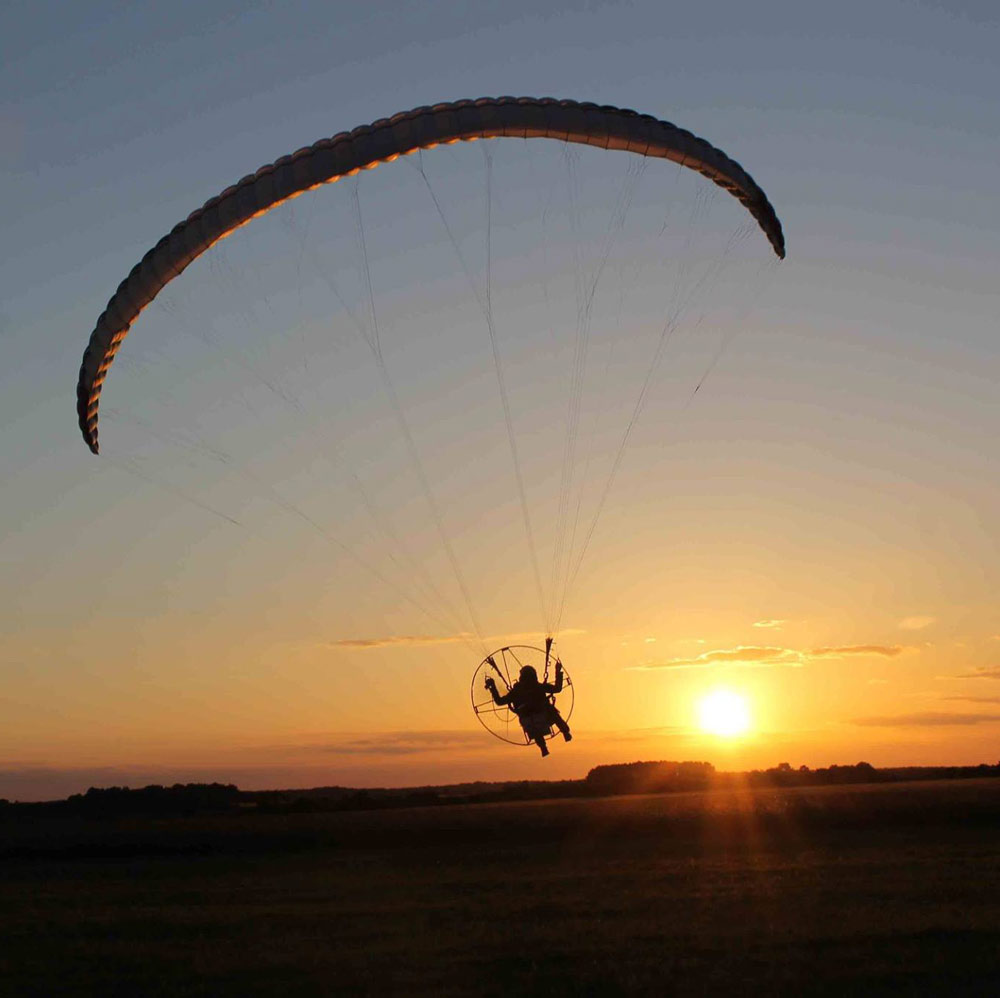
{"points": [[863, 890]]}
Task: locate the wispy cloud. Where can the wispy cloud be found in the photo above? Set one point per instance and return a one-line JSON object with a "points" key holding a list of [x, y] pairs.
{"points": [[974, 699], [742, 655], [402, 743], [916, 623], [926, 719], [992, 672], [416, 640], [769, 624], [407, 640], [886, 651], [642, 734], [757, 656], [411, 743]]}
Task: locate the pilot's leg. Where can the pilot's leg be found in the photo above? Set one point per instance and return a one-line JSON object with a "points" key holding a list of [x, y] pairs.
{"points": [[557, 720]]}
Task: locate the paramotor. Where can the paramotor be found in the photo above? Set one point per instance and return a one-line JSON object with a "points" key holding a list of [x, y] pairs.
{"points": [[503, 667]]}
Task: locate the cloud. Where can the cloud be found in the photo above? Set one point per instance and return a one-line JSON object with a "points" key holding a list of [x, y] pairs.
{"points": [[926, 719], [974, 699], [887, 651], [406, 640], [756, 656], [642, 734], [982, 673], [769, 623], [916, 623], [415, 640], [407, 743], [742, 655], [403, 743]]}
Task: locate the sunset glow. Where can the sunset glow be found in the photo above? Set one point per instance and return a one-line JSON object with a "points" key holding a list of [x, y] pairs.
{"points": [[724, 713]]}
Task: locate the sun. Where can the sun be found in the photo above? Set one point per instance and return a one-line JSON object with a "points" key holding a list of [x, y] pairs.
{"points": [[724, 713]]}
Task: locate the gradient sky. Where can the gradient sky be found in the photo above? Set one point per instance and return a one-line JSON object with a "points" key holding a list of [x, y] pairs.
{"points": [[817, 529]]}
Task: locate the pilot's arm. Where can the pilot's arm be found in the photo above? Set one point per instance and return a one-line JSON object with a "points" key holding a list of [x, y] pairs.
{"points": [[557, 686], [491, 685]]}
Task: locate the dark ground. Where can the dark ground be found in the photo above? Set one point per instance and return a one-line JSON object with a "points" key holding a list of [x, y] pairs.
{"points": [[861, 890]]}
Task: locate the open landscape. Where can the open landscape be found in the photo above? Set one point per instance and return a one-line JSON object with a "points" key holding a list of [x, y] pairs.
{"points": [[417, 419], [864, 889]]}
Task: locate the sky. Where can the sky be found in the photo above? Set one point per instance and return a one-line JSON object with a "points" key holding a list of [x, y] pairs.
{"points": [[288, 561]]}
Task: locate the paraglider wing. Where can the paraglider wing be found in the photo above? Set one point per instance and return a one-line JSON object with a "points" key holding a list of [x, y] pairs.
{"points": [[382, 141]]}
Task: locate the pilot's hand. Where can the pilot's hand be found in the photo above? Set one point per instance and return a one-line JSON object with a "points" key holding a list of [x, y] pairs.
{"points": [[490, 683]]}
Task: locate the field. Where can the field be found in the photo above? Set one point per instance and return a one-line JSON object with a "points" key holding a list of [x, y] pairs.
{"points": [[863, 890]]}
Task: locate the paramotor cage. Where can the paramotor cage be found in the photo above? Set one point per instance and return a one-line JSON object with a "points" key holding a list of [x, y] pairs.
{"points": [[504, 666]]}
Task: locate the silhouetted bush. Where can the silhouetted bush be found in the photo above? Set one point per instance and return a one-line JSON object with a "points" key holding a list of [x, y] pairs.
{"points": [[181, 798], [649, 777]]}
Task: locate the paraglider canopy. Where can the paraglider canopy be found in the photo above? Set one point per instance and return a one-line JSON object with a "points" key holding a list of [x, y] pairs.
{"points": [[383, 141]]}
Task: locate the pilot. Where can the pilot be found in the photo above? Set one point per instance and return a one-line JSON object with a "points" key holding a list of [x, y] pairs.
{"points": [[533, 703]]}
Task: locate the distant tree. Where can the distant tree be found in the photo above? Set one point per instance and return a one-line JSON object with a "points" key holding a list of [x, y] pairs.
{"points": [[649, 777], [181, 798]]}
